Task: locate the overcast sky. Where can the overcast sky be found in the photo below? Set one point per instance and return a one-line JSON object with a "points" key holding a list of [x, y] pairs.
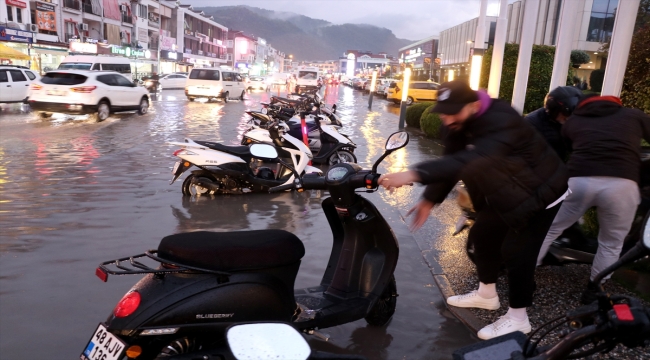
{"points": [[408, 19]]}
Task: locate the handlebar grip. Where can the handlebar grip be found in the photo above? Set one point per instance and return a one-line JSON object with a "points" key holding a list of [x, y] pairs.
{"points": [[281, 188], [314, 183]]}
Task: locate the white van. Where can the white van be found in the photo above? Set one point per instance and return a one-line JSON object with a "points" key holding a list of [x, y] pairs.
{"points": [[214, 83], [90, 62], [307, 78]]}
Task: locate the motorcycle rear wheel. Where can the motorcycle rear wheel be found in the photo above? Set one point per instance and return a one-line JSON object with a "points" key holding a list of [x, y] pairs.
{"points": [[385, 306], [193, 190]]}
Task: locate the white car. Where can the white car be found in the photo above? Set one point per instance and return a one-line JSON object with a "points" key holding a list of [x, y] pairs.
{"points": [[382, 86], [173, 81], [98, 93], [15, 82], [257, 82]]}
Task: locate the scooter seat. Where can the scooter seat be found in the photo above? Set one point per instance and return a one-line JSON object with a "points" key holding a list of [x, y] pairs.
{"points": [[286, 101], [230, 149], [234, 250]]}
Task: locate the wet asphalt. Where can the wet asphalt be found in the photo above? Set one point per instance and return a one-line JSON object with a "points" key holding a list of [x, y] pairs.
{"points": [[74, 193]]}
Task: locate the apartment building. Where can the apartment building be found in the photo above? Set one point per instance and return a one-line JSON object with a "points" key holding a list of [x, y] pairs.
{"points": [[201, 39]]}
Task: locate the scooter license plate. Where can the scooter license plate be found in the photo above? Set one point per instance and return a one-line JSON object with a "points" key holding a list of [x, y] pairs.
{"points": [[104, 346], [178, 163]]}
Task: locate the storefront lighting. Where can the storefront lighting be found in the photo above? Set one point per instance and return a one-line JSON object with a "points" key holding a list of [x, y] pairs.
{"points": [[475, 72]]}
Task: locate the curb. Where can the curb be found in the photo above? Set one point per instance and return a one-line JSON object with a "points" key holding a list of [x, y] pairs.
{"points": [[431, 258]]}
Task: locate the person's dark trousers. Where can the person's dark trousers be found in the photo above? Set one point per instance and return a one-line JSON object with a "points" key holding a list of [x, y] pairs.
{"points": [[495, 244]]}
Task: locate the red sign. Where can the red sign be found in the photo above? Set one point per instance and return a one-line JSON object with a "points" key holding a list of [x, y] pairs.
{"points": [[17, 3]]}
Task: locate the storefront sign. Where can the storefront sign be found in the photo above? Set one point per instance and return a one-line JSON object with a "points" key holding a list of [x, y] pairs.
{"points": [[167, 43], [7, 34], [129, 52], [17, 3], [142, 35], [45, 16], [170, 55], [82, 47]]}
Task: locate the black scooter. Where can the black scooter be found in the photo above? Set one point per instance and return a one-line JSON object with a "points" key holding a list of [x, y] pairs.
{"points": [[203, 282]]}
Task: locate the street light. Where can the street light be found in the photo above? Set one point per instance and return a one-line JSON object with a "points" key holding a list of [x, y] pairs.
{"points": [[405, 90]]}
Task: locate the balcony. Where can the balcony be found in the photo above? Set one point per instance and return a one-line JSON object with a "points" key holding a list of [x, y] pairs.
{"points": [[88, 8], [153, 43], [127, 19], [154, 21], [72, 4], [69, 37]]}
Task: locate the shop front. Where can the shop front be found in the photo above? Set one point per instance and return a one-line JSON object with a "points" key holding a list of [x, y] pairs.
{"points": [[13, 43], [47, 58]]}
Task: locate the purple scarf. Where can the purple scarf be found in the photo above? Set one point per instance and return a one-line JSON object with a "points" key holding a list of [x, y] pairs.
{"points": [[485, 100]]}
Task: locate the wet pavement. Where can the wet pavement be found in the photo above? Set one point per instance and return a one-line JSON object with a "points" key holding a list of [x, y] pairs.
{"points": [[74, 193]]}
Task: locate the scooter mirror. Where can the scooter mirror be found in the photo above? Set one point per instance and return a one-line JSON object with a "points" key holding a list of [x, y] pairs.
{"points": [[397, 140], [263, 341], [263, 151]]}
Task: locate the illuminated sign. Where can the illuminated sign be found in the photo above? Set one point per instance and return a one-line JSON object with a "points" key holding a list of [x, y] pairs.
{"points": [[128, 52], [81, 47]]}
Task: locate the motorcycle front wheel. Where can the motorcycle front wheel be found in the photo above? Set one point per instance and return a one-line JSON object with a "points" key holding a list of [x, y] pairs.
{"points": [[384, 308], [342, 156]]}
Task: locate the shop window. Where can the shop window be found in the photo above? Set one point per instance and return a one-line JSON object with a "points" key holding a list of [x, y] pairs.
{"points": [[10, 13], [601, 23]]}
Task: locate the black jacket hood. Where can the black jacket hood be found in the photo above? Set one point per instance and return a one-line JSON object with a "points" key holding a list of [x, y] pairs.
{"points": [[598, 106]]}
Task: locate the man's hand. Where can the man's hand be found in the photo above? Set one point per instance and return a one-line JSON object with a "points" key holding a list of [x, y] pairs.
{"points": [[396, 180], [422, 210]]}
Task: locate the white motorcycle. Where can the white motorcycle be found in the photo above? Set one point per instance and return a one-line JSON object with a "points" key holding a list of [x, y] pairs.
{"points": [[330, 146], [226, 169]]}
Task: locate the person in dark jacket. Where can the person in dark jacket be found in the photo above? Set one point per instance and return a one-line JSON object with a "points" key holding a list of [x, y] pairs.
{"points": [[604, 171], [548, 120], [515, 181]]}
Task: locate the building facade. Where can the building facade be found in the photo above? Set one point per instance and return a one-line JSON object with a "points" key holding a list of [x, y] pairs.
{"points": [[357, 63], [241, 51], [200, 37], [593, 26], [456, 47], [420, 56]]}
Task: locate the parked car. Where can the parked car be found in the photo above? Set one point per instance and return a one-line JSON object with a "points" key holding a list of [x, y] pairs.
{"points": [[418, 91], [257, 82], [173, 81], [15, 82], [98, 93], [382, 86]]}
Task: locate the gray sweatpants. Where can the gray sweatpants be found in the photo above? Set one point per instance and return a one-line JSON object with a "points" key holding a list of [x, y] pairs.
{"points": [[616, 200]]}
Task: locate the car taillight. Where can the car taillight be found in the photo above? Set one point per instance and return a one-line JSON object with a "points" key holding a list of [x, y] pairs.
{"points": [[127, 305], [35, 87], [83, 89]]}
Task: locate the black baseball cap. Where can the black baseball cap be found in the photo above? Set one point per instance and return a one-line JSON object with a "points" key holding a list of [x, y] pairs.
{"points": [[453, 96]]}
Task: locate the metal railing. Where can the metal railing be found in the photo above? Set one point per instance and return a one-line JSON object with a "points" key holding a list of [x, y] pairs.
{"points": [[72, 4], [153, 23], [88, 8], [69, 37]]}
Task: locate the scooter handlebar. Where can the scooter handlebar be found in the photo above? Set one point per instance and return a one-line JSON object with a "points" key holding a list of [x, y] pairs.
{"points": [[281, 188]]}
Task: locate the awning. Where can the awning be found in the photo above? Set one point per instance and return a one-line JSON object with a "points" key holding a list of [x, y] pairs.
{"points": [[8, 53]]}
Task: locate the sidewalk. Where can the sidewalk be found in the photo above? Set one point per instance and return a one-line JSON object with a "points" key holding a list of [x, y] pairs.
{"points": [[558, 287]]}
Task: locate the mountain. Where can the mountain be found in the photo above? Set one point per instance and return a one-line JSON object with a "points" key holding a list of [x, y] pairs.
{"points": [[304, 37]]}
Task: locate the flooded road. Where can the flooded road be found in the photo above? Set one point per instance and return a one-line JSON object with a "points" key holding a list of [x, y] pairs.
{"points": [[74, 193]]}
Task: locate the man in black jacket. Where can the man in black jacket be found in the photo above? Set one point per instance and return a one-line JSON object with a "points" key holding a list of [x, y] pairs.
{"points": [[604, 172], [515, 181], [548, 120]]}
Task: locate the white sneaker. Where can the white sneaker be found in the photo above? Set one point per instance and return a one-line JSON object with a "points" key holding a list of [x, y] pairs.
{"points": [[504, 325], [474, 300]]}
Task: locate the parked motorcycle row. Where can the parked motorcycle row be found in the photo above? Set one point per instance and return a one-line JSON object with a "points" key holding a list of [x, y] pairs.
{"points": [[230, 295]]}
